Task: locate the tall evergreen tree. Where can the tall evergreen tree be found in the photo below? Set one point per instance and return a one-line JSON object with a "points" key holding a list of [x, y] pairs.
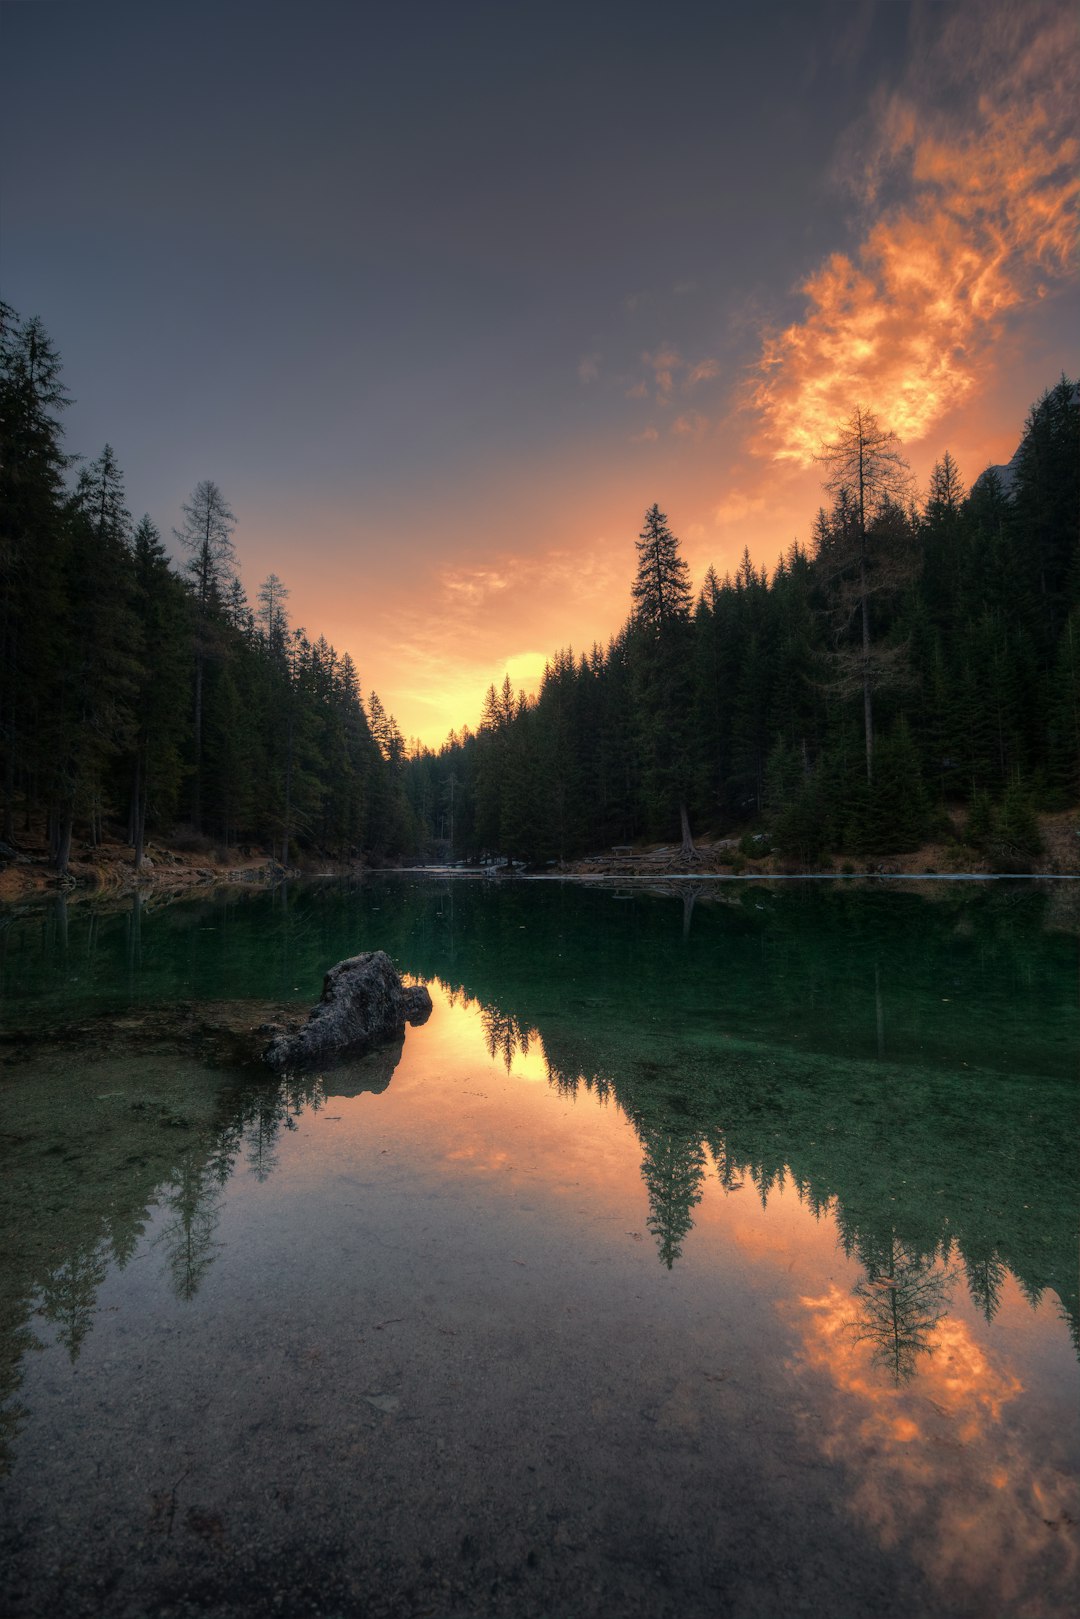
{"points": [[660, 653], [33, 543], [206, 536], [870, 480], [93, 720], [162, 612]]}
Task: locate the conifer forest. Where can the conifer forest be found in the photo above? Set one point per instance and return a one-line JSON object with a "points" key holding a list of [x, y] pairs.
{"points": [[915, 665]]}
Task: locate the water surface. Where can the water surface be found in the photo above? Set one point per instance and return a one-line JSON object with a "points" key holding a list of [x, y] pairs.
{"points": [[713, 1254]]}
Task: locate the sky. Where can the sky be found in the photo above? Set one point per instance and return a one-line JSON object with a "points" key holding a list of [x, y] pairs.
{"points": [[444, 296]]}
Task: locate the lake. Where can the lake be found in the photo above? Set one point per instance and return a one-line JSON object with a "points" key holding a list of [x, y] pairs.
{"points": [[705, 1253]]}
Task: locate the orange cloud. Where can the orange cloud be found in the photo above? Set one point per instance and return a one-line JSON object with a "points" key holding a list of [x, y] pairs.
{"points": [[907, 322], [737, 505], [473, 586], [692, 425], [663, 364]]}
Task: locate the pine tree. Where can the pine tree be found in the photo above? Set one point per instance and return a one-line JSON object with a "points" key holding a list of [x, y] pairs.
{"points": [[1064, 729], [1046, 500], [162, 613], [94, 719], [662, 586], [870, 479], [660, 647], [33, 544], [207, 537]]}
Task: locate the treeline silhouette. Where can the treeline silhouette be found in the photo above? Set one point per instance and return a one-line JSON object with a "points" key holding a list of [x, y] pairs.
{"points": [[915, 657], [139, 693]]}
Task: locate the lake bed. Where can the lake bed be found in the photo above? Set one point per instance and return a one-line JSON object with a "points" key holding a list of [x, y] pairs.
{"points": [[692, 1258]]}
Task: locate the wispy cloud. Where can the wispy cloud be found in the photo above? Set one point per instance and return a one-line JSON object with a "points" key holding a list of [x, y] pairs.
{"points": [[663, 363], [588, 368], [736, 505], [982, 219], [473, 587], [671, 374], [691, 425], [704, 371]]}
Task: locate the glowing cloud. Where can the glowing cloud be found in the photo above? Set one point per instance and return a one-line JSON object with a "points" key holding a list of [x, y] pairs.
{"points": [[473, 586], [987, 218]]}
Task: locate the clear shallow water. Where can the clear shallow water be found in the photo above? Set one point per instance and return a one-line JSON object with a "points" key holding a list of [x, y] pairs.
{"points": [[694, 1258]]}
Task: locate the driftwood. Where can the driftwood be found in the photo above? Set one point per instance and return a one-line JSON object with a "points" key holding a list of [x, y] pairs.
{"points": [[363, 1004]]}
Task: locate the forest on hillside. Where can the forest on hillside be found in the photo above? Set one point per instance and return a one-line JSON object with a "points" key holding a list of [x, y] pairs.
{"points": [[921, 654], [917, 656]]}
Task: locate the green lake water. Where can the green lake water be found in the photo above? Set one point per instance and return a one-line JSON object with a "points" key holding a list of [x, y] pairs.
{"points": [[706, 1253]]}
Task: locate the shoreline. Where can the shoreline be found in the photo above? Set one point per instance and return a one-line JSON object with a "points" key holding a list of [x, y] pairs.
{"points": [[174, 870]]}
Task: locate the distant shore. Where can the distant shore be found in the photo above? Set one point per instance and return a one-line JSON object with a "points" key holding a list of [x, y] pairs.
{"points": [[108, 869], [176, 868]]}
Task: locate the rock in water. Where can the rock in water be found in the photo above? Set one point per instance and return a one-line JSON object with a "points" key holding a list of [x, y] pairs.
{"points": [[363, 1002]]}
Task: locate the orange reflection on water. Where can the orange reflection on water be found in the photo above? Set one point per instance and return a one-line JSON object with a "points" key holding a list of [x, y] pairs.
{"points": [[939, 1466], [496, 1124], [940, 1446]]}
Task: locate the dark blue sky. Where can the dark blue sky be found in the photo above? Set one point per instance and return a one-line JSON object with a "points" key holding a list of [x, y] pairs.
{"points": [[430, 287]]}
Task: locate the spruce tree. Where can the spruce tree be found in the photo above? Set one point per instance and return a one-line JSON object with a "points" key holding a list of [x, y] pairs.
{"points": [[162, 613], [206, 535], [33, 546], [660, 648]]}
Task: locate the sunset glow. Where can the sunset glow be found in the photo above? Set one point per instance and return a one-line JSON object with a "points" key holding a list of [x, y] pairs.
{"points": [[987, 227], [905, 1446], [440, 369]]}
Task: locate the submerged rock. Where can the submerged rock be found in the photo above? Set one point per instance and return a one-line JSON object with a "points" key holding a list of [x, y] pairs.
{"points": [[363, 1002]]}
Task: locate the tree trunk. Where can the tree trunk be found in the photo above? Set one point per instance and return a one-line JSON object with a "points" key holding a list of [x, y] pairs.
{"points": [[196, 795], [133, 804], [9, 736], [687, 851], [139, 839], [65, 822], [9, 788], [288, 795], [868, 707]]}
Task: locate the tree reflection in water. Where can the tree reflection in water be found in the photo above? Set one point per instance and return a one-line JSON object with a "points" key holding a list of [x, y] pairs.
{"points": [[794, 1038], [192, 1206], [70, 1294], [673, 1170], [902, 1298]]}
